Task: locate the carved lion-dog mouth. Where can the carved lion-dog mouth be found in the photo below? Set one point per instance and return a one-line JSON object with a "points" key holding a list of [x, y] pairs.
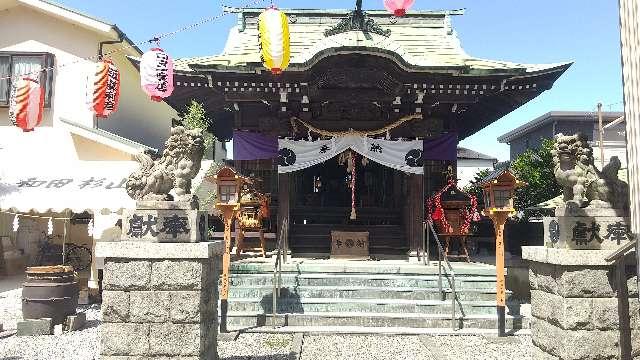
{"points": [[567, 160]]}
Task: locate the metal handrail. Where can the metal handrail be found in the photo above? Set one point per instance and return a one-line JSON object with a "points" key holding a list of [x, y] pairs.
{"points": [[277, 269], [621, 251], [451, 278]]}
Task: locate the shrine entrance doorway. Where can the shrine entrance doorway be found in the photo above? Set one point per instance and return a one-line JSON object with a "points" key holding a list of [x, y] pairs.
{"points": [[387, 206]]}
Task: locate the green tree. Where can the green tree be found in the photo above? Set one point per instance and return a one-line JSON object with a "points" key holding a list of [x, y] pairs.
{"points": [[535, 167], [474, 187], [195, 117]]}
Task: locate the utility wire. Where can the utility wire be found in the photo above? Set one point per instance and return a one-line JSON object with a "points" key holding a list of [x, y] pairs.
{"points": [[129, 46]]}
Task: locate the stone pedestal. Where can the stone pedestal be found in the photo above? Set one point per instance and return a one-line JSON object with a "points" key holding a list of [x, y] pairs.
{"points": [[159, 300], [581, 308], [163, 221], [588, 228]]}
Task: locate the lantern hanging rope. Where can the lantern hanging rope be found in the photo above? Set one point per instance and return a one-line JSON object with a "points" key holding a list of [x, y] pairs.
{"points": [[26, 104], [106, 89], [273, 37], [128, 46], [362, 133], [156, 74], [398, 7]]}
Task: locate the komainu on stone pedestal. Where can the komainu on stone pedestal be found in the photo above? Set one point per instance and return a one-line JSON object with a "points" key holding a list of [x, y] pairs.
{"points": [[595, 214], [583, 184], [173, 170]]}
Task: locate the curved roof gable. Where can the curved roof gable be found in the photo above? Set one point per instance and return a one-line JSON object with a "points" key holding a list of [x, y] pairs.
{"points": [[421, 39]]}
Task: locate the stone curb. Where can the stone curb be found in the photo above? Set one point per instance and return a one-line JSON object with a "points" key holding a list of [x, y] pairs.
{"points": [[148, 250], [296, 346]]}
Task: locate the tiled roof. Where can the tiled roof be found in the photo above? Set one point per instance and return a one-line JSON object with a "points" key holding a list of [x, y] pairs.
{"points": [[464, 153], [556, 116], [422, 39]]}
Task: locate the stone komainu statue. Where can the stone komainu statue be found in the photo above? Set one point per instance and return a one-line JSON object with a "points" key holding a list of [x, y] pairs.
{"points": [[173, 170], [582, 183]]}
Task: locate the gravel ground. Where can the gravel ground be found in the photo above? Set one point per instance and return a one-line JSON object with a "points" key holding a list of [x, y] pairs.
{"points": [[416, 347], [256, 347], [343, 347], [479, 347]]}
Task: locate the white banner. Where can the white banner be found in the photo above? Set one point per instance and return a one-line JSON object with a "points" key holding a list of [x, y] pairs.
{"points": [[405, 156]]}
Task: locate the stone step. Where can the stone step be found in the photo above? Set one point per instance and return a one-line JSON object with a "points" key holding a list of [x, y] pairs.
{"points": [[243, 320], [365, 330], [325, 305], [366, 280], [363, 267], [355, 292]]}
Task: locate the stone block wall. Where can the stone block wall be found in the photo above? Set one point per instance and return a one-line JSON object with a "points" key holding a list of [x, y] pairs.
{"points": [[578, 312], [159, 308]]}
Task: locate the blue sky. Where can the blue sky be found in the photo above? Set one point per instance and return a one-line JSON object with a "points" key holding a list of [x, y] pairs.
{"points": [[530, 31]]}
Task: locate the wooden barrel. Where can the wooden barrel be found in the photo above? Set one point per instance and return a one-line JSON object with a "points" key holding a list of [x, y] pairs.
{"points": [[50, 292]]}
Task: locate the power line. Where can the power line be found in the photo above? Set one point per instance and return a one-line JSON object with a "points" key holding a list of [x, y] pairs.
{"points": [[129, 46]]}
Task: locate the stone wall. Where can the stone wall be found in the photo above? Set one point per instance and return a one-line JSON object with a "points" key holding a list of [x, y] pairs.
{"points": [[579, 311], [159, 308]]}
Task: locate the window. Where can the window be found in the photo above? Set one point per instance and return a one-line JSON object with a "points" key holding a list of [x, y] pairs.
{"points": [[228, 194], [502, 198], [16, 65]]}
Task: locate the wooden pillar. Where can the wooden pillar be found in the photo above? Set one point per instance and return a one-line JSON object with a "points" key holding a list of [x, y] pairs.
{"points": [[499, 219], [284, 206], [228, 214], [416, 212]]}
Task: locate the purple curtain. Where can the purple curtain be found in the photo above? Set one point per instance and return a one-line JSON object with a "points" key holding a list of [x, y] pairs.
{"points": [[254, 146], [443, 147]]}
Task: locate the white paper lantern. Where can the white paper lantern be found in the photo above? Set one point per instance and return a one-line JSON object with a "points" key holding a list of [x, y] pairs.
{"points": [[156, 74]]}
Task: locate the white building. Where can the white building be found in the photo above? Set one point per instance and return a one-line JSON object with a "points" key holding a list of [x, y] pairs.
{"points": [[44, 173], [470, 162]]}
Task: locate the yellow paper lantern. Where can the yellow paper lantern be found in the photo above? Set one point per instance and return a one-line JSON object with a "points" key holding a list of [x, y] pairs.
{"points": [[273, 29]]}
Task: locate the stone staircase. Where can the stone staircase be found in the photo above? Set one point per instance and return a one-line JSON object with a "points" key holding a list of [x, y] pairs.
{"points": [[367, 295]]}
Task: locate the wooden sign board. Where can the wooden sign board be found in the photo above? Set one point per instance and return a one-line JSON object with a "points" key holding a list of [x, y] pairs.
{"points": [[349, 245]]}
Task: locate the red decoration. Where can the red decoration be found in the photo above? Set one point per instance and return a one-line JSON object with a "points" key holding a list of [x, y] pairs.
{"points": [[353, 186], [398, 7], [26, 104], [435, 211], [106, 89]]}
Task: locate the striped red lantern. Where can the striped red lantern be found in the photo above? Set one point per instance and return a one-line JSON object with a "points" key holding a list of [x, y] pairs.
{"points": [[26, 104], [398, 7], [106, 89]]}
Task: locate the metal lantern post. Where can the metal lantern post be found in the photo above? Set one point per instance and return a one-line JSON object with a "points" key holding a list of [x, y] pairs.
{"points": [[229, 187], [499, 188]]}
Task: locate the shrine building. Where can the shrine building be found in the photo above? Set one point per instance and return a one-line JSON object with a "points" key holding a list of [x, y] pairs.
{"points": [[366, 95]]}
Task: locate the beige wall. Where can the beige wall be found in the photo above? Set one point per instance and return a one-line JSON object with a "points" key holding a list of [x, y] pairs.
{"points": [[138, 118], [92, 151]]}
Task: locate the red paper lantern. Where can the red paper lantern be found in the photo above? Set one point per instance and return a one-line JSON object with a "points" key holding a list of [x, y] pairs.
{"points": [[106, 89], [398, 7], [26, 104]]}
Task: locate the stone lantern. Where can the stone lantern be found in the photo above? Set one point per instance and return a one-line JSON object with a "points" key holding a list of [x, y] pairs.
{"points": [[499, 189]]}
